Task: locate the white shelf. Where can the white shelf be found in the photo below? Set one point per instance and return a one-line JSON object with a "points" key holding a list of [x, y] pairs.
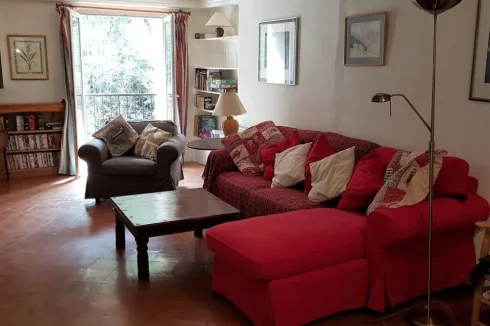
{"points": [[207, 92], [216, 68], [204, 110], [224, 38]]}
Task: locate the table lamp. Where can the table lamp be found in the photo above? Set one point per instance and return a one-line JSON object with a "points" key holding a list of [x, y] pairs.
{"points": [[228, 105], [219, 20], [427, 315]]}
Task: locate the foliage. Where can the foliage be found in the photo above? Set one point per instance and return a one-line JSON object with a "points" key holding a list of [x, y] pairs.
{"points": [[113, 63]]}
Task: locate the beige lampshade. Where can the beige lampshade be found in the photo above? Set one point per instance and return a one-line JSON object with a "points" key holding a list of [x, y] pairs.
{"points": [[229, 104], [218, 20]]}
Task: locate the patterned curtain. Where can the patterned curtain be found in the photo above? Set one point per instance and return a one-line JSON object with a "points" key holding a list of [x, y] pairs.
{"points": [[181, 70], [68, 156]]}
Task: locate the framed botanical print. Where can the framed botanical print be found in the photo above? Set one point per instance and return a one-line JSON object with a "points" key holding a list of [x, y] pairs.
{"points": [[28, 57], [480, 77], [278, 47], [365, 40]]}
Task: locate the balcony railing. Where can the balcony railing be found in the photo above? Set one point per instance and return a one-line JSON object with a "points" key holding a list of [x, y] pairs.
{"points": [[98, 109]]}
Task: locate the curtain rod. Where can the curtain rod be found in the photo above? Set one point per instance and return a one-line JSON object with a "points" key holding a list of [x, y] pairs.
{"points": [[124, 9]]}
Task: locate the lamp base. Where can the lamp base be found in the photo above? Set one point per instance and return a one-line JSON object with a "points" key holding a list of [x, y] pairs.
{"points": [[230, 126], [418, 317], [219, 32]]}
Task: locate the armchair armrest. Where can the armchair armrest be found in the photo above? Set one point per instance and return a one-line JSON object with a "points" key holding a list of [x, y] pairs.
{"points": [[390, 226], [219, 161], [94, 152], [168, 152]]}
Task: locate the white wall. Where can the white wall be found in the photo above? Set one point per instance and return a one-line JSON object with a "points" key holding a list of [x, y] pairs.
{"points": [[31, 18], [336, 98]]}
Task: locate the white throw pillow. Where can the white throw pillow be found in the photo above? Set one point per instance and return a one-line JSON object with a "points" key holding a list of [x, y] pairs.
{"points": [[289, 168], [330, 176]]}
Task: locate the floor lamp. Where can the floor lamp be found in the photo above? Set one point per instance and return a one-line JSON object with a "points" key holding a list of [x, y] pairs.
{"points": [[427, 315]]}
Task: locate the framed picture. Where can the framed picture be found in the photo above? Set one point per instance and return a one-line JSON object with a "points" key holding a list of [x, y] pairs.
{"points": [[27, 57], [480, 77], [365, 40], [278, 49]]}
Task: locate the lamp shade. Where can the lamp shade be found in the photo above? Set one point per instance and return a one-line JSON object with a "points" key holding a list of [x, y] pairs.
{"points": [[437, 6], [381, 98], [219, 20], [229, 104]]}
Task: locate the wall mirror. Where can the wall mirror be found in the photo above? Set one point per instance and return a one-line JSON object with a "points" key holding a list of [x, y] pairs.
{"points": [[278, 48]]}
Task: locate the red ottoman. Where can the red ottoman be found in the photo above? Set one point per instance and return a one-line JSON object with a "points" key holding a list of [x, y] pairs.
{"points": [[292, 268]]}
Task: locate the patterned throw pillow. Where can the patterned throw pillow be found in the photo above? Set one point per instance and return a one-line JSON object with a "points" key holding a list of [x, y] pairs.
{"points": [[150, 139], [118, 135], [244, 147], [406, 180]]}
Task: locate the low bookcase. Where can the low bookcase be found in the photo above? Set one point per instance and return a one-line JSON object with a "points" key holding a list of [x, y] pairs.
{"points": [[34, 138]]}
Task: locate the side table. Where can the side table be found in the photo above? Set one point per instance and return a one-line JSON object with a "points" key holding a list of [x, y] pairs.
{"points": [[206, 144]]}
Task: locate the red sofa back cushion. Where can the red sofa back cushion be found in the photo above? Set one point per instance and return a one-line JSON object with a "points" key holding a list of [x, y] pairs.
{"points": [[453, 178], [338, 142], [367, 180], [321, 149], [268, 154]]}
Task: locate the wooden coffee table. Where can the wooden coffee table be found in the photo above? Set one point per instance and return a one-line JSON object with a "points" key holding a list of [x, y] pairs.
{"points": [[162, 213]]}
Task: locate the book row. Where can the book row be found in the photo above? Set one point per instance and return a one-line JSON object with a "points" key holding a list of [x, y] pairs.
{"points": [[212, 80], [38, 141], [33, 160], [27, 123]]}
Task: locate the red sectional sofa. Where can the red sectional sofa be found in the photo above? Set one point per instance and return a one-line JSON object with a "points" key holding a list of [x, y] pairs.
{"points": [[301, 261]]}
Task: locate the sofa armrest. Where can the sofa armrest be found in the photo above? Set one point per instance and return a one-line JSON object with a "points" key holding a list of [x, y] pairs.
{"points": [[390, 226], [219, 161], [168, 152], [94, 152]]}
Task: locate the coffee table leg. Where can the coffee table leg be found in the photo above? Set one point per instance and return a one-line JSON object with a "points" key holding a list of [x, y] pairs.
{"points": [[198, 233], [120, 234], [143, 265]]}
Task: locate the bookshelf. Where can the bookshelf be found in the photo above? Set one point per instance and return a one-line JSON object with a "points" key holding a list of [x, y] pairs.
{"points": [[32, 151]]}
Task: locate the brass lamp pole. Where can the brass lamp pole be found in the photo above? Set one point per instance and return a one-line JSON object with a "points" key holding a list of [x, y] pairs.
{"points": [[427, 315]]}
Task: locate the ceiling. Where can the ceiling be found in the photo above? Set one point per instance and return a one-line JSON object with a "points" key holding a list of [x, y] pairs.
{"points": [[183, 4]]}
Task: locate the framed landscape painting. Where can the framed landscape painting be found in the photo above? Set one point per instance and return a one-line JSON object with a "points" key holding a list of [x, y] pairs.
{"points": [[480, 77], [365, 40], [27, 57]]}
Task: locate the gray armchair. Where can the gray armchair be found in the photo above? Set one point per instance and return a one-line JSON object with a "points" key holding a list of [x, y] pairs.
{"points": [[130, 175]]}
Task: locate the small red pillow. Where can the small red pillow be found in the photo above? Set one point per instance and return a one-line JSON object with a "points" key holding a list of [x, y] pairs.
{"points": [[453, 178], [268, 154], [319, 151], [367, 180]]}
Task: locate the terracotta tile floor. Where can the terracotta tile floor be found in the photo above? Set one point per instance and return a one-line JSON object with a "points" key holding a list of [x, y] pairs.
{"points": [[58, 266]]}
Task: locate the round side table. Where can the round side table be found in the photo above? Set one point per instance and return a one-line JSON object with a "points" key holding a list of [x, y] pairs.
{"points": [[210, 144]]}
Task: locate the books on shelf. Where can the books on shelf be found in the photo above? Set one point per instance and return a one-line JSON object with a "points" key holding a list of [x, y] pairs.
{"points": [[29, 122], [205, 124], [32, 142], [212, 80], [33, 160]]}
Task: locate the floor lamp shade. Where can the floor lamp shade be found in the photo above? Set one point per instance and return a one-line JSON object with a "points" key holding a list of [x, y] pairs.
{"points": [[219, 20], [228, 105]]}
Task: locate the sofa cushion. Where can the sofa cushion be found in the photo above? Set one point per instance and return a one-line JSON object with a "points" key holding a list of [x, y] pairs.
{"points": [[277, 200], [290, 243], [118, 135], [453, 178], [367, 180], [244, 147], [331, 175], [406, 180], [321, 149], [268, 154], [235, 188], [289, 168], [129, 165]]}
